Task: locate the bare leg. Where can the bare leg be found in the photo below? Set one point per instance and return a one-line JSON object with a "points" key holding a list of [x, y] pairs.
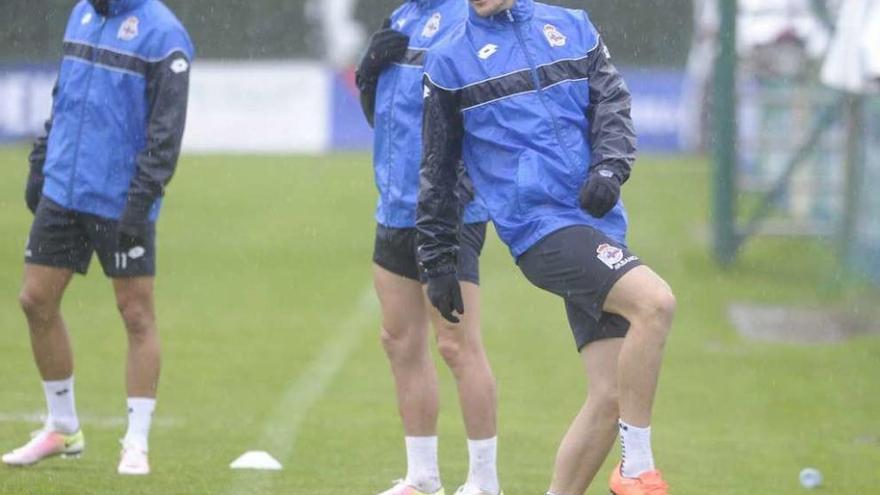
{"points": [[134, 298], [592, 434], [405, 339], [40, 298], [644, 299], [462, 348]]}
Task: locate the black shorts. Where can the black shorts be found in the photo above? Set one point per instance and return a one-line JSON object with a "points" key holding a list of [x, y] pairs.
{"points": [[63, 238], [581, 265], [395, 251]]}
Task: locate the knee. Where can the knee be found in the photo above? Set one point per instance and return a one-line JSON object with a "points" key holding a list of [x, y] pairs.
{"points": [[657, 307], [605, 403], [400, 343], [138, 317], [36, 305], [460, 349], [452, 350]]}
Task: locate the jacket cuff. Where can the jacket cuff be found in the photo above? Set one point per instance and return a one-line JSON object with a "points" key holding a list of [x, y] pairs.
{"points": [[136, 215], [365, 82], [445, 268], [617, 170]]}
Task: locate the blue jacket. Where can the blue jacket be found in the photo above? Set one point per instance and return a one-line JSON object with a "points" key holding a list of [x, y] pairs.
{"points": [[119, 111], [531, 102], [398, 112]]}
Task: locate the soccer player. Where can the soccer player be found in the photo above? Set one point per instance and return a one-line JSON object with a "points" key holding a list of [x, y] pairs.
{"points": [[526, 95], [95, 185], [389, 78]]}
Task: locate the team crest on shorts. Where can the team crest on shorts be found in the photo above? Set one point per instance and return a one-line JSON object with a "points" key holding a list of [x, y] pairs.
{"points": [[609, 255], [554, 37], [433, 26], [129, 29], [612, 256]]}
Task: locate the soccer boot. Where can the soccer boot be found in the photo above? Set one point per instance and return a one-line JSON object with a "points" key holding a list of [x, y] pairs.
{"points": [[133, 460], [466, 490], [401, 488], [43, 444], [649, 483]]}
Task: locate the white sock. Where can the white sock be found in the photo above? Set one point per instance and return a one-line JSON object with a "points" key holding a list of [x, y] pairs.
{"points": [[62, 406], [422, 470], [140, 415], [483, 471], [635, 447]]}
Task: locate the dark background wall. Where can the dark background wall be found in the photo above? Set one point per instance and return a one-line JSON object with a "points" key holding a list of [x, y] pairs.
{"points": [[647, 32]]}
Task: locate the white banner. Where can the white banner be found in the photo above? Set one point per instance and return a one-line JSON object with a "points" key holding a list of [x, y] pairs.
{"points": [[25, 102], [262, 107]]}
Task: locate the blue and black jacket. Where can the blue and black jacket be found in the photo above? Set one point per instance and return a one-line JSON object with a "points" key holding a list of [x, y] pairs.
{"points": [[119, 111], [530, 101], [393, 104]]}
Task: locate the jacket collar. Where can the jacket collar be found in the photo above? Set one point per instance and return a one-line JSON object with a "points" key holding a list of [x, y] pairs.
{"points": [[521, 11], [119, 7]]}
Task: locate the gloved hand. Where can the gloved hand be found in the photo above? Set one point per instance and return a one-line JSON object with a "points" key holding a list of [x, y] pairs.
{"points": [[33, 191], [600, 193], [102, 7], [386, 46], [129, 236], [444, 292]]}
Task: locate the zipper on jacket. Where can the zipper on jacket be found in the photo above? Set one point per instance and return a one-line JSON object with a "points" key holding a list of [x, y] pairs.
{"points": [[389, 135], [538, 89], [83, 114]]}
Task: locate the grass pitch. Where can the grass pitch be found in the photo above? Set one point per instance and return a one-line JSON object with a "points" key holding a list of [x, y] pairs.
{"points": [[270, 338]]}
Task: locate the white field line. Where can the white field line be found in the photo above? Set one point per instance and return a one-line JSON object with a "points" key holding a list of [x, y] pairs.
{"points": [[88, 420], [281, 428]]}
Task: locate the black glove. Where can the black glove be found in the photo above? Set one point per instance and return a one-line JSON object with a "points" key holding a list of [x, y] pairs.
{"points": [[386, 46], [600, 193], [130, 236], [444, 292], [101, 6], [33, 191]]}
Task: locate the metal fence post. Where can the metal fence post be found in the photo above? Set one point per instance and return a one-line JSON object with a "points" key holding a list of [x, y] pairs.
{"points": [[724, 138]]}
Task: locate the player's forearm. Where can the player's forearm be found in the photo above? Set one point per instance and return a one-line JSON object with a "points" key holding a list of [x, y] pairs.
{"points": [[168, 90], [439, 210], [367, 89], [612, 134], [37, 158]]}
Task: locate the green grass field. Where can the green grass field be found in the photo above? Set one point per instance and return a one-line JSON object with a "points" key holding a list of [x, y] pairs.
{"points": [[270, 337]]}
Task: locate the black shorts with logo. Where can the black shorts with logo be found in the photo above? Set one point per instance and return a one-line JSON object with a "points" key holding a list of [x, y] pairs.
{"points": [[63, 238], [581, 265], [396, 251]]}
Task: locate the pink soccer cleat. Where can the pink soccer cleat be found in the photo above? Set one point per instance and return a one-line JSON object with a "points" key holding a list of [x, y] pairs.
{"points": [[44, 444]]}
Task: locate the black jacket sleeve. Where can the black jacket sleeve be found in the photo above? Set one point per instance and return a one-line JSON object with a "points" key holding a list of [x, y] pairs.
{"points": [[439, 211], [612, 135], [367, 89], [37, 158], [167, 94]]}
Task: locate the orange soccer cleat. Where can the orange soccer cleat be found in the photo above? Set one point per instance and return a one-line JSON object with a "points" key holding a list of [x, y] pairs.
{"points": [[649, 483]]}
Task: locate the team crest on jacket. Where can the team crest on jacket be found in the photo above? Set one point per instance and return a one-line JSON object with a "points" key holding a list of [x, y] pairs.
{"points": [[433, 26], [86, 18], [554, 37], [129, 29]]}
